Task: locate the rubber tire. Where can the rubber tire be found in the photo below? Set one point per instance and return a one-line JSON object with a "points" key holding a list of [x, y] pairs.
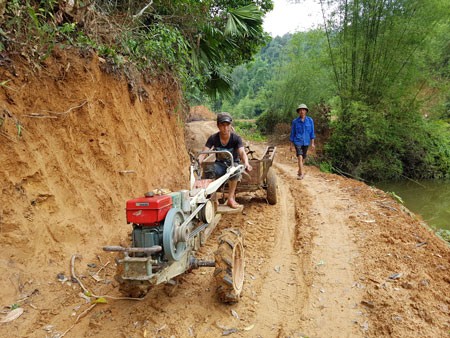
{"points": [[230, 266], [271, 181]]}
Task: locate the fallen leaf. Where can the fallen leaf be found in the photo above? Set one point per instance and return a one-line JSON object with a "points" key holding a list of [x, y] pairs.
{"points": [[248, 328], [97, 278], [12, 315], [100, 300], [234, 313], [395, 276], [229, 331]]}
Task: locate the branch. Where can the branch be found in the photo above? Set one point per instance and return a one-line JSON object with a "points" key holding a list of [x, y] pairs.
{"points": [[143, 10], [82, 314], [85, 290], [40, 116], [69, 110]]}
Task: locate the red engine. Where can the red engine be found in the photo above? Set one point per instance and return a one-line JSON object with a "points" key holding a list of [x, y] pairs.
{"points": [[148, 211]]}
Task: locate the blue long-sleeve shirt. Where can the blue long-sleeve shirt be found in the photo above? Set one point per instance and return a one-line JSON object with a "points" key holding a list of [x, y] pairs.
{"points": [[302, 132]]}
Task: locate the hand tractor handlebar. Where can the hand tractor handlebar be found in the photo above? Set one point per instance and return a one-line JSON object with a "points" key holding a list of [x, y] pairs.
{"points": [[217, 183]]}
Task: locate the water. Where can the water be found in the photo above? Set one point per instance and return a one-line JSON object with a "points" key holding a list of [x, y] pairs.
{"points": [[430, 199]]}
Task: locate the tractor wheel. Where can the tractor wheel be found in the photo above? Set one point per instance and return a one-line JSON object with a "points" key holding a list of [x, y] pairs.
{"points": [[271, 187], [229, 271]]}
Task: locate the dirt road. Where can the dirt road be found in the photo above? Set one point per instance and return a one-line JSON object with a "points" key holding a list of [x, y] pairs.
{"points": [[333, 258]]}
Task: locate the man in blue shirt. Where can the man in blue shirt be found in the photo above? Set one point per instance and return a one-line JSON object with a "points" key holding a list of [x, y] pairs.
{"points": [[302, 135]]}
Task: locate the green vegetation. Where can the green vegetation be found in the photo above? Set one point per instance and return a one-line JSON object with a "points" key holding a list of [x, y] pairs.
{"points": [[248, 130], [197, 42], [326, 167], [376, 79], [396, 197], [444, 234]]}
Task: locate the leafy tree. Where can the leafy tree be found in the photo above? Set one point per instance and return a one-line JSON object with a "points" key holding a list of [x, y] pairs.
{"points": [[288, 70], [374, 45], [303, 75], [221, 35], [378, 51], [436, 70]]}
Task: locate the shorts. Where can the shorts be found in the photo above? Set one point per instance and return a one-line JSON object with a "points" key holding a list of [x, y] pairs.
{"points": [[219, 169], [301, 150]]}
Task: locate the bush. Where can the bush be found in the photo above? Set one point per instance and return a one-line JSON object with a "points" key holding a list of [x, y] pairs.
{"points": [[267, 121], [326, 167], [248, 130], [387, 144]]}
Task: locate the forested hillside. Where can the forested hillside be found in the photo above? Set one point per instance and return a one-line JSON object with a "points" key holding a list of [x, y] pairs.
{"points": [[376, 77]]}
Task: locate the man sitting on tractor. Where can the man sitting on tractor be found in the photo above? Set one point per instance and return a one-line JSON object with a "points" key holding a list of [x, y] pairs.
{"points": [[226, 139]]}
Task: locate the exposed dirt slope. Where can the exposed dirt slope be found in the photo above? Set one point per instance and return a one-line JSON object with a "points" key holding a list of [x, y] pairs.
{"points": [[86, 145], [334, 257]]}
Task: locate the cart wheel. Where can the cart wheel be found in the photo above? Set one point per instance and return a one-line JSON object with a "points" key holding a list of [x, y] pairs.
{"points": [[271, 187], [229, 272]]}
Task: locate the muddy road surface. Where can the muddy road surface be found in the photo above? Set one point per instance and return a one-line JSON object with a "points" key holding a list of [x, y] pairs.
{"points": [[333, 258]]}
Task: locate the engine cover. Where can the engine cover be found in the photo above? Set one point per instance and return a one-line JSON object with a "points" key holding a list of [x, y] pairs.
{"points": [[148, 211]]}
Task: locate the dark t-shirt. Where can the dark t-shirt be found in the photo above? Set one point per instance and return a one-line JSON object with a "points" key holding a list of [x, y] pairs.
{"points": [[234, 143]]}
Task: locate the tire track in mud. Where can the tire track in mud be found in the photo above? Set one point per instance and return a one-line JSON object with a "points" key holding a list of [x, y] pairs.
{"points": [[280, 301], [329, 252]]}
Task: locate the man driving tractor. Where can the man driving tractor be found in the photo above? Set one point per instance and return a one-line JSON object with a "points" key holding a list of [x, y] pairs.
{"points": [[226, 139]]}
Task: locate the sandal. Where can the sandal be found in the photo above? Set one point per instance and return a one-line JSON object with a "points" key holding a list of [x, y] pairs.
{"points": [[300, 177]]}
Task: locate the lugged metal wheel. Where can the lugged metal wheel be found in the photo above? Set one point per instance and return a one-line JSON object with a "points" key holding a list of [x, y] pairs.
{"points": [[271, 187], [229, 271], [174, 246]]}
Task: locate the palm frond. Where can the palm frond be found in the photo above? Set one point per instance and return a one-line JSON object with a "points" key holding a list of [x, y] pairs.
{"points": [[243, 21], [218, 83]]}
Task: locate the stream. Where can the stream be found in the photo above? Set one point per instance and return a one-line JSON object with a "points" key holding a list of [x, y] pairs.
{"points": [[428, 198]]}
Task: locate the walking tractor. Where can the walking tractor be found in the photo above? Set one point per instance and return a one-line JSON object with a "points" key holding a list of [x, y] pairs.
{"points": [[168, 229], [262, 177]]}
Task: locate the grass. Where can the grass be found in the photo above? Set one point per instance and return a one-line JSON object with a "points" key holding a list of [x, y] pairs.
{"points": [[249, 131], [444, 234]]}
